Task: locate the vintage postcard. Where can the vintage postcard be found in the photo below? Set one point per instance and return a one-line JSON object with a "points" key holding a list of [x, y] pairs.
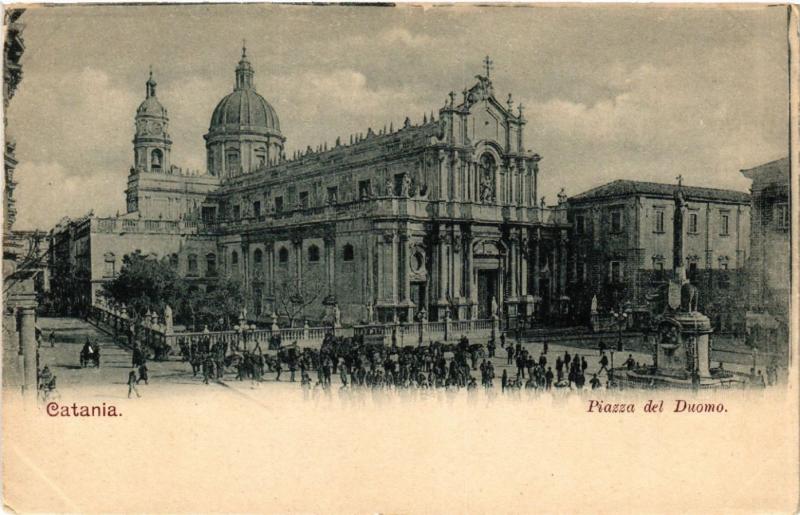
{"points": [[295, 258]]}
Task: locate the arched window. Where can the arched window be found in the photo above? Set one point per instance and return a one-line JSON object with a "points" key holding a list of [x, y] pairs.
{"points": [[156, 160], [348, 252], [283, 255], [235, 263], [211, 264], [258, 257], [192, 264], [173, 261], [261, 157], [313, 254]]}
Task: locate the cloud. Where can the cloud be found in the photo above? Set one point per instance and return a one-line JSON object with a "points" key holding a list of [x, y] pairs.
{"points": [[404, 36], [702, 93], [79, 119], [316, 107], [47, 192]]}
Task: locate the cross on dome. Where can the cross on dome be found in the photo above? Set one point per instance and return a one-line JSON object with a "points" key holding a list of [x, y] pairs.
{"points": [[488, 64]]}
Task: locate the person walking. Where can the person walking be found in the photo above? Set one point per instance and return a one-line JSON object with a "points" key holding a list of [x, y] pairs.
{"points": [[132, 384], [52, 339], [548, 378], [603, 363], [595, 382], [142, 373]]}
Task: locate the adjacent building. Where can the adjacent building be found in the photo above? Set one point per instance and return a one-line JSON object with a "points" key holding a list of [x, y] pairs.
{"points": [[20, 260], [769, 265], [622, 248]]}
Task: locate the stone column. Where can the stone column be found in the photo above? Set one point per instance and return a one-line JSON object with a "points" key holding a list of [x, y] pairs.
{"points": [[442, 272], [523, 265], [562, 275], [27, 341], [536, 245], [470, 288], [330, 262], [455, 167], [444, 183], [370, 293], [298, 253], [554, 273], [405, 268], [270, 267], [379, 279]]}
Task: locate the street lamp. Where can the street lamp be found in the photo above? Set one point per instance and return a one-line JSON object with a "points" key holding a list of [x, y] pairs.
{"points": [[620, 319]]}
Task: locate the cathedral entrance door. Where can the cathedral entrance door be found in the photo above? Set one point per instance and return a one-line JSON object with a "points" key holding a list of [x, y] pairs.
{"points": [[544, 289], [487, 288]]}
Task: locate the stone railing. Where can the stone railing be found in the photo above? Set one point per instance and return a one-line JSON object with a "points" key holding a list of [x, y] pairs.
{"points": [[424, 332], [149, 335], [123, 225], [249, 339]]}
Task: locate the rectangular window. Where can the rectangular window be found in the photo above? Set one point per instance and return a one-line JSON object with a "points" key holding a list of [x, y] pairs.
{"points": [[659, 221], [723, 279], [257, 208], [615, 272], [109, 271], [279, 204], [333, 194], [724, 226], [304, 199], [236, 212], [693, 223], [580, 224], [616, 221], [659, 267], [782, 216], [363, 189], [208, 214]]}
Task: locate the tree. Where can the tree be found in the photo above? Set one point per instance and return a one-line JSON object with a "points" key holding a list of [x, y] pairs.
{"points": [[223, 300], [143, 284], [291, 300]]}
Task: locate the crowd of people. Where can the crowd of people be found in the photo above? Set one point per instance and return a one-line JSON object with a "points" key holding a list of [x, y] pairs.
{"points": [[352, 362]]}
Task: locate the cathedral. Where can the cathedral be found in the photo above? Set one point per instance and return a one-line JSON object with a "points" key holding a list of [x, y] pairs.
{"points": [[405, 223]]}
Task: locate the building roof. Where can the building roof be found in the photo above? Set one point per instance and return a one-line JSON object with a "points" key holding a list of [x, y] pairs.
{"points": [[244, 109], [624, 188], [778, 167]]}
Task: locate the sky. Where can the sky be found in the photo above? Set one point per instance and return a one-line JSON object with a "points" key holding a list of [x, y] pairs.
{"points": [[610, 92]]}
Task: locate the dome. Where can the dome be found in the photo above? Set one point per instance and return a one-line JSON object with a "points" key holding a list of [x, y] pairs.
{"points": [[151, 107], [244, 108]]}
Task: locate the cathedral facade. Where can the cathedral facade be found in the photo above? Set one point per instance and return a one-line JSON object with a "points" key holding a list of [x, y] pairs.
{"points": [[420, 221]]}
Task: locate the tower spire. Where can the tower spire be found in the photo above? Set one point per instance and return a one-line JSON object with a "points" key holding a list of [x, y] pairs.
{"points": [[151, 84]]}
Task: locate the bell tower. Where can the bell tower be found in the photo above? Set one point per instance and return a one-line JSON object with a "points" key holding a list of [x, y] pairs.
{"points": [[151, 142]]}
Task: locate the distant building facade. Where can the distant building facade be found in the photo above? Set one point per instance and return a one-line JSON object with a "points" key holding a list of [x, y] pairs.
{"points": [[622, 248], [425, 220], [769, 265]]}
